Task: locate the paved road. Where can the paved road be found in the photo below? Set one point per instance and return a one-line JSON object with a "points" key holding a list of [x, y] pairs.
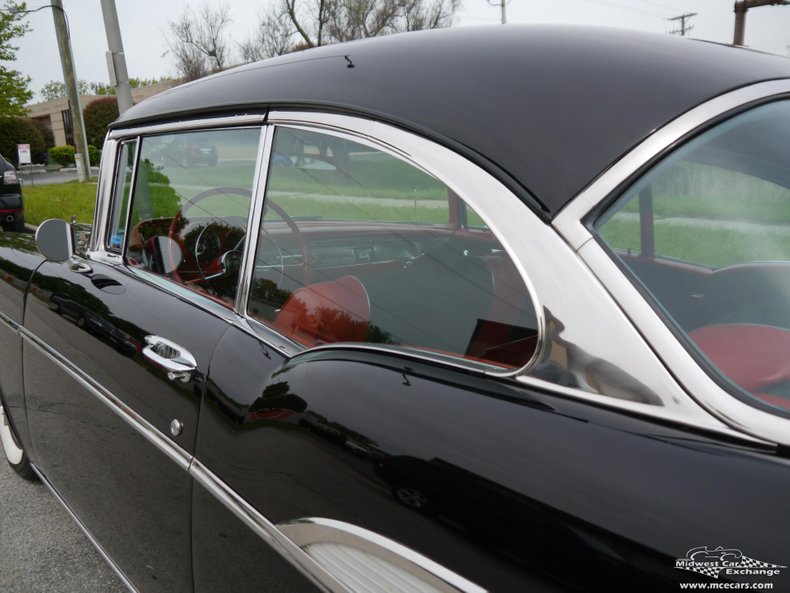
{"points": [[41, 548], [63, 176]]}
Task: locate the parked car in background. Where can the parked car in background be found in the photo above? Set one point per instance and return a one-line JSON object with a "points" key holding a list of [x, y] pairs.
{"points": [[12, 208], [480, 309]]}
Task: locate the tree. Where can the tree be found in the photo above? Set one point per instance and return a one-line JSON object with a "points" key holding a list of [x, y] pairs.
{"points": [[14, 87], [197, 42], [97, 116], [298, 24], [55, 89], [20, 130]]}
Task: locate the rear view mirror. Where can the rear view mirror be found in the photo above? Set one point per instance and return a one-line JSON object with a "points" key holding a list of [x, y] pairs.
{"points": [[55, 240]]}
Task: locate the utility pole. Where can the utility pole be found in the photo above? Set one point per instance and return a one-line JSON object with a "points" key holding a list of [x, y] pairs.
{"points": [[70, 78], [741, 6], [116, 59], [683, 28], [502, 4]]}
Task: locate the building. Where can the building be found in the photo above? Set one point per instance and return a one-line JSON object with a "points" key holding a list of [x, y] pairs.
{"points": [[56, 115]]}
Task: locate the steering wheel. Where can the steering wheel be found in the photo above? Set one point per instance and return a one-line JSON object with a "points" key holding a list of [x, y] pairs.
{"points": [[176, 226]]}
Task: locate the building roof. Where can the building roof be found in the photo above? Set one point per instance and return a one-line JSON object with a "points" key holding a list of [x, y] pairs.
{"points": [[545, 108]]}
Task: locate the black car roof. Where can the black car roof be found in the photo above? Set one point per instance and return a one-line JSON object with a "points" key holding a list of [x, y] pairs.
{"points": [[546, 108]]}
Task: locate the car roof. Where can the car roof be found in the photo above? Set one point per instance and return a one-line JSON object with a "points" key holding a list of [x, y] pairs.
{"points": [[544, 108]]}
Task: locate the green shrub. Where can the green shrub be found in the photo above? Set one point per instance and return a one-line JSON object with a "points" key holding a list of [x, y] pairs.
{"points": [[94, 154], [62, 155], [19, 130], [97, 116]]}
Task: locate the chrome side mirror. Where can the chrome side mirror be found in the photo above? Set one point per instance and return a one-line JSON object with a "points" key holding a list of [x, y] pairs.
{"points": [[55, 240]]}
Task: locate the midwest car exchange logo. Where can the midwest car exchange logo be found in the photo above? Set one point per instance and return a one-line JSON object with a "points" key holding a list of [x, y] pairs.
{"points": [[727, 561]]}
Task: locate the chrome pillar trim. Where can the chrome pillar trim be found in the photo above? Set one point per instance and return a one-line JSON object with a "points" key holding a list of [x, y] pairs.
{"points": [[104, 194], [123, 578], [569, 221], [132, 418], [696, 381], [193, 124], [598, 353], [318, 530], [254, 217], [264, 528]]}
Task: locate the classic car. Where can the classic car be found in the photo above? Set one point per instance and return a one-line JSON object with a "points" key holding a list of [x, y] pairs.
{"points": [[515, 316]]}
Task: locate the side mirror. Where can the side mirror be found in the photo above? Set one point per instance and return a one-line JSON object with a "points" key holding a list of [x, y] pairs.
{"points": [[55, 240]]}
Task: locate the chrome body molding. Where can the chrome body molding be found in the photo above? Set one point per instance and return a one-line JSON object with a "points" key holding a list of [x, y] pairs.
{"points": [[128, 415], [190, 124], [569, 223], [264, 528], [124, 579], [12, 325], [313, 531]]}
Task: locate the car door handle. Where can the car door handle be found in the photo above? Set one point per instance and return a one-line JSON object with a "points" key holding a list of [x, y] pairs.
{"points": [[177, 361]]}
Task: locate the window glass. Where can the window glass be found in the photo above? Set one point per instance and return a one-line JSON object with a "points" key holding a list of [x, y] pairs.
{"points": [[357, 245], [123, 186], [190, 207], [707, 232]]}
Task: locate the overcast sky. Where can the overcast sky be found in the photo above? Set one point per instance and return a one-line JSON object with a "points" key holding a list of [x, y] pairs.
{"points": [[145, 22]]}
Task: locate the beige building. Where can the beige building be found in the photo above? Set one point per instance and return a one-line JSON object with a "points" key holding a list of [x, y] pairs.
{"points": [[56, 114]]}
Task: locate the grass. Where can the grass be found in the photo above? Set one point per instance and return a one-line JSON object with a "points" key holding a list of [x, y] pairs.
{"points": [[706, 245], [60, 201]]}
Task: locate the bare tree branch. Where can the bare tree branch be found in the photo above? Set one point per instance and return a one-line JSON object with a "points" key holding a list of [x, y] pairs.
{"points": [[321, 22], [196, 42]]}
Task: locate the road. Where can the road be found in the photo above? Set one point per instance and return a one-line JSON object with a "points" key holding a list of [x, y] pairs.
{"points": [[62, 176], [41, 548]]}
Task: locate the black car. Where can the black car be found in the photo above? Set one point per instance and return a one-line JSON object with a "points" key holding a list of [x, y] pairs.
{"points": [[514, 316], [12, 209]]}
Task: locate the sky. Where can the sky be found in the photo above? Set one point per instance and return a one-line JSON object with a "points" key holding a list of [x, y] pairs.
{"points": [[144, 24]]}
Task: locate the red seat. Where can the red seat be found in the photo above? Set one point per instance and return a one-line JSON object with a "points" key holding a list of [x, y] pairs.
{"points": [[754, 357], [327, 312]]}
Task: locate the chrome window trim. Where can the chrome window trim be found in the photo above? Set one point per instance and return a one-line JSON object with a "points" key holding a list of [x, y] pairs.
{"points": [[232, 121], [612, 343], [254, 217], [436, 161], [104, 194], [690, 375]]}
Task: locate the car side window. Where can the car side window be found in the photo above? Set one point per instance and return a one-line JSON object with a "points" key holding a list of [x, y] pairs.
{"points": [[357, 245], [707, 233], [190, 206]]}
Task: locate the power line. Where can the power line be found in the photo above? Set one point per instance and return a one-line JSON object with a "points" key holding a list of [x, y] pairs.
{"points": [[683, 29]]}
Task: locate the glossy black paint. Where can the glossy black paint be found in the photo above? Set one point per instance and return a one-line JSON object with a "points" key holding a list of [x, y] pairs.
{"points": [[545, 108], [525, 490], [134, 499], [19, 257]]}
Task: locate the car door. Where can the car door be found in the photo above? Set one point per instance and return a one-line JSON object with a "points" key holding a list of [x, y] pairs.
{"points": [[118, 344]]}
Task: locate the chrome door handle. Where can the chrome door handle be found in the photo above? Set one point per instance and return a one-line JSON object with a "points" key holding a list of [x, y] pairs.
{"points": [[178, 363]]}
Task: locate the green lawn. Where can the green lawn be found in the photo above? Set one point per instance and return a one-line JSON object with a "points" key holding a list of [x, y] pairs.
{"points": [[60, 201]]}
